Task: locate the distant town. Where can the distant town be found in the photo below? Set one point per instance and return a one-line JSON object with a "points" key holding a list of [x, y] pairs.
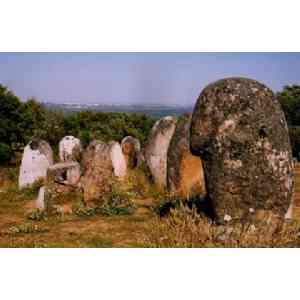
{"points": [[153, 110]]}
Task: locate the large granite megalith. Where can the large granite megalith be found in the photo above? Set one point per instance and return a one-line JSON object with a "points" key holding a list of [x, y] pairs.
{"points": [[185, 176], [37, 157], [240, 132], [157, 148], [97, 172]]}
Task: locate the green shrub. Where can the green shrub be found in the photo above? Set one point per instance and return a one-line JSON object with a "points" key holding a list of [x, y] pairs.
{"points": [[25, 228], [118, 202], [5, 154], [32, 191]]}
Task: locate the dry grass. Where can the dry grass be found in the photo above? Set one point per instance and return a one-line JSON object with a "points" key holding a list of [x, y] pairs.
{"points": [[185, 228]]}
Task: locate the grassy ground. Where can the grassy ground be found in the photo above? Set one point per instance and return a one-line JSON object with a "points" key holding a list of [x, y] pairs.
{"points": [[143, 228], [69, 230]]}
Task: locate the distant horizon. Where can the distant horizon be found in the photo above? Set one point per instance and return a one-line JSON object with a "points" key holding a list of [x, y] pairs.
{"points": [[166, 79]]}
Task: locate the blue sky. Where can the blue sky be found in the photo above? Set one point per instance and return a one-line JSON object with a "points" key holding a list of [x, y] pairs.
{"points": [[137, 78]]}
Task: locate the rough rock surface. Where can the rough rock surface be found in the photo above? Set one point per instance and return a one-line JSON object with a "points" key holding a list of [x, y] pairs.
{"points": [[157, 149], [239, 130], [67, 173], [117, 159], [185, 176], [70, 149], [131, 148], [37, 157], [62, 178], [97, 171]]}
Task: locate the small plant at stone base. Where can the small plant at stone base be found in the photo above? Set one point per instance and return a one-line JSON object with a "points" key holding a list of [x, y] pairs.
{"points": [[31, 191], [184, 227], [25, 228], [166, 202], [12, 174], [37, 215], [137, 182], [81, 210], [118, 202]]}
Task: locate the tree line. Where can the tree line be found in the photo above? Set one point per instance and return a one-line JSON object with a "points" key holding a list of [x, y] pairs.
{"points": [[22, 121]]}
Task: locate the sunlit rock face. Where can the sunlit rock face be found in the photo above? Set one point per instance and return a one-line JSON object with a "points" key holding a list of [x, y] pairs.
{"points": [[131, 149], [239, 130], [185, 176], [37, 157], [117, 159], [70, 149], [97, 171], [157, 149], [40, 201]]}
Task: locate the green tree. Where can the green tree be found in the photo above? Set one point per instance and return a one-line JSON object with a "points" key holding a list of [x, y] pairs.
{"points": [[289, 98]]}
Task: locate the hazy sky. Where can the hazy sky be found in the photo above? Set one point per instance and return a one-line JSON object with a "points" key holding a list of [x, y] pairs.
{"points": [[120, 78]]}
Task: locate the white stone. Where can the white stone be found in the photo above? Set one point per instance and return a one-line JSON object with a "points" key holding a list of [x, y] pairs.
{"points": [[40, 201], [66, 147], [227, 218], [118, 159], [37, 157], [157, 149], [289, 213]]}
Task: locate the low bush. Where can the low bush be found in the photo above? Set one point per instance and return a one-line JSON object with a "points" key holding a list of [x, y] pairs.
{"points": [[6, 154], [118, 202], [185, 228]]}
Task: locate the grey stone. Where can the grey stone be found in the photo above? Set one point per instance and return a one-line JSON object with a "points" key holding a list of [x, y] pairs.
{"points": [[240, 132]]}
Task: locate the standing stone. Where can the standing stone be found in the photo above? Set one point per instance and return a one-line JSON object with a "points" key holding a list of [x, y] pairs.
{"points": [[40, 201], [131, 148], [117, 159], [157, 149], [37, 157], [97, 171], [62, 178], [185, 176], [239, 130], [70, 149]]}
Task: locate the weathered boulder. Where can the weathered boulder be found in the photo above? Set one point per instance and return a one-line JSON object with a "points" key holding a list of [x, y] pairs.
{"points": [[37, 157], [185, 176], [97, 171], [240, 132], [67, 173], [117, 159], [62, 179], [131, 148], [157, 148], [70, 149]]}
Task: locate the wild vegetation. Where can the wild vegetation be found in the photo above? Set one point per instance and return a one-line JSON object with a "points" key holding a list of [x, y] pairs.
{"points": [[22, 121], [135, 214]]}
